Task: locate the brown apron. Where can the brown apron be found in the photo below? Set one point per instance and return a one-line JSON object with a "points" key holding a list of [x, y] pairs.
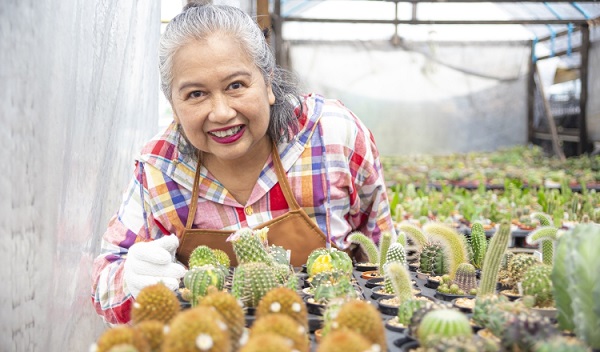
{"points": [[294, 230]]}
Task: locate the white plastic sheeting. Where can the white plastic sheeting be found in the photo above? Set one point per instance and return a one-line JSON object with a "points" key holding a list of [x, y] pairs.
{"points": [[78, 96]]}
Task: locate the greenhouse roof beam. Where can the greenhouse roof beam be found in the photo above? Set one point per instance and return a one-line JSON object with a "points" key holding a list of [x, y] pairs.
{"points": [[565, 21]]}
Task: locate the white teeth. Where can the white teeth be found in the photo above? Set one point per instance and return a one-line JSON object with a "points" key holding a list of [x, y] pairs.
{"points": [[227, 133]]}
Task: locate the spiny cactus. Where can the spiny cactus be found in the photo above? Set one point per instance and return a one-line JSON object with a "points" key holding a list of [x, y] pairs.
{"points": [[330, 285], [230, 310], [153, 331], [395, 254], [249, 246], [222, 258], [523, 331], [461, 344], [384, 245], [400, 281], [251, 281], [466, 278], [323, 259], [414, 233], [560, 344], [443, 323], [493, 257], [576, 282], [121, 335], [363, 318], [537, 283], [285, 301], [367, 245], [478, 244], [200, 328], [282, 325], [419, 314], [155, 302], [408, 307], [267, 342], [495, 311], [344, 341], [202, 255], [454, 244], [433, 259], [517, 267], [200, 278]]}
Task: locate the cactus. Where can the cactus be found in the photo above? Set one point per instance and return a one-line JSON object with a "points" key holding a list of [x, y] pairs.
{"points": [[576, 282], [401, 239], [419, 314], [433, 259], [461, 344], [121, 335], [478, 244], [560, 344], [493, 257], [282, 325], [454, 244], [330, 285], [395, 254], [344, 341], [367, 244], [222, 258], [384, 245], [517, 267], [414, 233], [230, 310], [322, 259], [249, 246], [197, 329], [361, 317], [466, 278], [200, 278], [202, 255], [251, 281], [155, 302], [494, 312], [523, 331], [547, 235], [399, 277], [153, 332], [286, 301], [537, 283], [409, 307], [443, 323], [267, 342]]}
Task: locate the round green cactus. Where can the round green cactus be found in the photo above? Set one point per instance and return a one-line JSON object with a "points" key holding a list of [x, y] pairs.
{"points": [[466, 278], [517, 267], [200, 278], [433, 259], [537, 283], [409, 307], [443, 323], [323, 259], [202, 255], [249, 246], [251, 281]]}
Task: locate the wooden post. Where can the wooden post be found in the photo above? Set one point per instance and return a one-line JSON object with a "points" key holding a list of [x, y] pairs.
{"points": [[583, 146], [277, 27], [531, 94], [263, 18], [551, 123]]}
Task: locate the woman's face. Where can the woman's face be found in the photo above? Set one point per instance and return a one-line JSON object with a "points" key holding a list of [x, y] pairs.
{"points": [[220, 98]]}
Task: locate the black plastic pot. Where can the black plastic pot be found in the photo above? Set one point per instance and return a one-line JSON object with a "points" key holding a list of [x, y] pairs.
{"points": [[386, 308], [374, 282], [363, 268], [406, 344]]}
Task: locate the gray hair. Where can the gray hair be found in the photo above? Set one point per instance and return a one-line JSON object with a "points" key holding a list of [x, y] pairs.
{"points": [[197, 22]]}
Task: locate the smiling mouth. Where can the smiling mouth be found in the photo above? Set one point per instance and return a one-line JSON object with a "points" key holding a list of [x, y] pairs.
{"points": [[226, 133]]}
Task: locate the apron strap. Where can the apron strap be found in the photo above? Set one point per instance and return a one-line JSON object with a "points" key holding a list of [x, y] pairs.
{"points": [[194, 200], [283, 180]]}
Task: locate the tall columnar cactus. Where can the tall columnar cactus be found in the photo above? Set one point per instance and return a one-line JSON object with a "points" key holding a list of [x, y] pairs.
{"points": [[537, 283], [546, 235], [576, 282], [478, 244], [414, 233], [443, 323], [364, 318], [367, 245], [197, 329], [466, 278], [251, 281], [155, 302], [394, 255], [200, 278], [493, 257], [455, 244], [517, 267], [249, 246], [384, 245], [399, 278], [202, 255], [433, 259]]}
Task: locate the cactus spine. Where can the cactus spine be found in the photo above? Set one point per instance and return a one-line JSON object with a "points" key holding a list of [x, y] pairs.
{"points": [[200, 278], [537, 283], [433, 259], [249, 246], [400, 280], [478, 244], [363, 318], [286, 301], [517, 267], [197, 329], [466, 279], [415, 233], [455, 244], [367, 244], [231, 312], [282, 325], [443, 323], [384, 245], [491, 262], [122, 335], [251, 281], [547, 235], [202, 255], [155, 302]]}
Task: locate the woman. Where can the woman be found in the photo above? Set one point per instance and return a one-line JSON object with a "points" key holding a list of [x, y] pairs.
{"points": [[244, 150]]}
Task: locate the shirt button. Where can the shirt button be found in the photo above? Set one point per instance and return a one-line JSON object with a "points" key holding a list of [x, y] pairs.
{"points": [[248, 210]]}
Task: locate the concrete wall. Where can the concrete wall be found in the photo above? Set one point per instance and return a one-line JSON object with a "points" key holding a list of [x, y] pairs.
{"points": [[78, 96]]}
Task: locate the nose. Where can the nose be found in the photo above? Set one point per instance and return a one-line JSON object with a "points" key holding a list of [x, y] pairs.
{"points": [[221, 110]]}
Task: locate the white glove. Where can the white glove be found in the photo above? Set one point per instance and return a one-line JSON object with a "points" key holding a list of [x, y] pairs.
{"points": [[148, 263]]}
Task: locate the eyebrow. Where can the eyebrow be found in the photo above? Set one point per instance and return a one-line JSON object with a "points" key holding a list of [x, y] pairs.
{"points": [[188, 84]]}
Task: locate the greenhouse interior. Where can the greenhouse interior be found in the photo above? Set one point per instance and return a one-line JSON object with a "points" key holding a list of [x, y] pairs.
{"points": [[484, 123]]}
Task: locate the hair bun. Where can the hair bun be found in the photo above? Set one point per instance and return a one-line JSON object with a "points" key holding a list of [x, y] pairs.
{"points": [[196, 3]]}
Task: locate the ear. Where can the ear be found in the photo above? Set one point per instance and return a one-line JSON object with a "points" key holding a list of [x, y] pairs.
{"points": [[270, 94], [175, 117]]}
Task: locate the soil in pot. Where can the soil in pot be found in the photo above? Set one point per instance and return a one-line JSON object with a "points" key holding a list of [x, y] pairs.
{"points": [[448, 297], [374, 282], [392, 324], [510, 295], [464, 304], [365, 267], [371, 274]]}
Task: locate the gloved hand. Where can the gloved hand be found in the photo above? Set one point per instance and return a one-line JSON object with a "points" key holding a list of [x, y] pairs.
{"points": [[148, 263]]}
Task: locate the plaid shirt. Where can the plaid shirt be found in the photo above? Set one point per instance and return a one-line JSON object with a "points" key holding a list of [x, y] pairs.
{"points": [[332, 165]]}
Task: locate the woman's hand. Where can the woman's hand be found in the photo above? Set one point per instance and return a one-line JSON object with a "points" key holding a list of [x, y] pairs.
{"points": [[148, 263]]}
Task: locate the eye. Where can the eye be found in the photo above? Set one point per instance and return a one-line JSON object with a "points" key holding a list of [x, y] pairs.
{"points": [[236, 85], [195, 94]]}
